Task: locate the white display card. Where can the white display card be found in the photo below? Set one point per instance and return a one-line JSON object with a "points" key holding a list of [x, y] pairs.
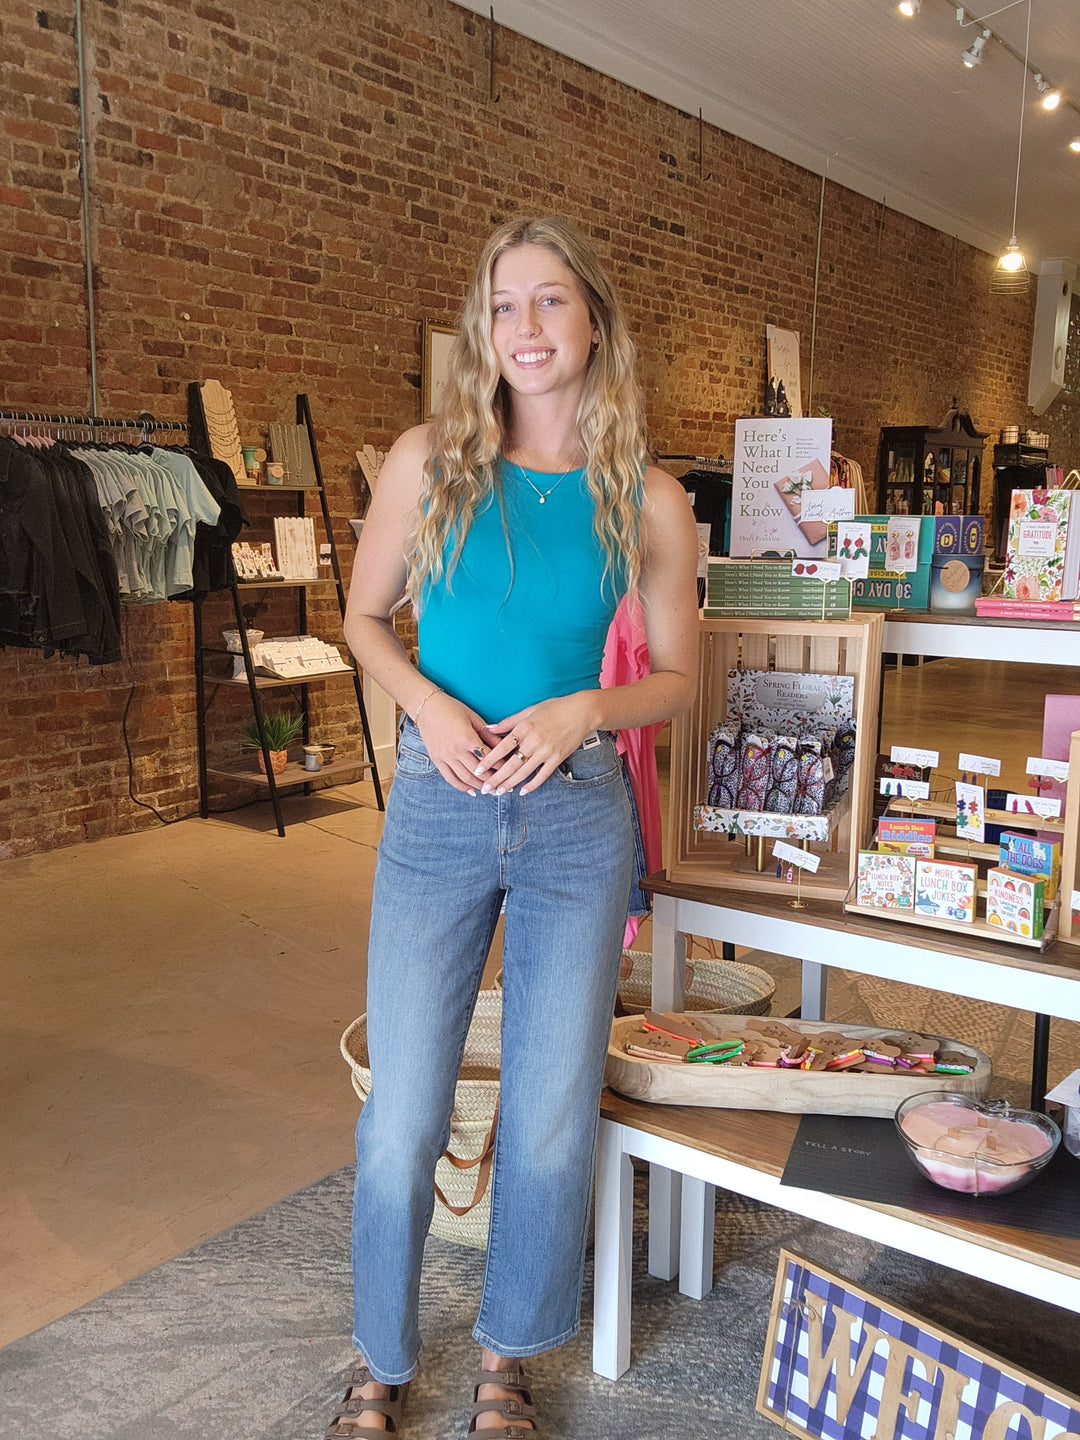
{"points": [[1055, 769], [1032, 805], [816, 569], [902, 543], [979, 764], [832, 504], [905, 755], [792, 855], [906, 789], [970, 811]]}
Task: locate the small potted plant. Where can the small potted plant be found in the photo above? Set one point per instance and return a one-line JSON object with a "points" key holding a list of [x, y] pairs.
{"points": [[281, 730]]}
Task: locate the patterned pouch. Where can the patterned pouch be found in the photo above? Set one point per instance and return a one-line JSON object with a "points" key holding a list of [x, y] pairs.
{"points": [[754, 770], [724, 765], [783, 775], [810, 790], [844, 757]]}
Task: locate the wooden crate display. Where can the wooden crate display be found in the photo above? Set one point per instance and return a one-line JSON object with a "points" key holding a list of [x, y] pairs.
{"points": [[829, 647]]}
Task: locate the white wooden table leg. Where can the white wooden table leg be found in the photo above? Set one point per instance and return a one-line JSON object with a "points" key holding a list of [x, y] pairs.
{"points": [[668, 993], [613, 1219], [669, 957], [815, 989], [698, 1230], [665, 1192]]}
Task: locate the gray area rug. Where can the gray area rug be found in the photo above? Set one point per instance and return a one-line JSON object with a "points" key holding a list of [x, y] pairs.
{"points": [[246, 1336]]}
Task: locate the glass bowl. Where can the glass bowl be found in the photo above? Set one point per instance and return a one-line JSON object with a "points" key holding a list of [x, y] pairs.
{"points": [[973, 1146]]}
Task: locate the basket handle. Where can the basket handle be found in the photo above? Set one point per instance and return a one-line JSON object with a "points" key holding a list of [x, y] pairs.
{"points": [[485, 1160]]}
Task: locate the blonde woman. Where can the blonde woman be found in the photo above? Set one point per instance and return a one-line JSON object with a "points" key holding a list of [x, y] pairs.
{"points": [[516, 522]]}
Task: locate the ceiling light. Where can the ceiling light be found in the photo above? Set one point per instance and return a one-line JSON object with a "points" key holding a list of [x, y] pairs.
{"points": [[1051, 98], [1074, 144], [973, 55], [1010, 275], [909, 7]]}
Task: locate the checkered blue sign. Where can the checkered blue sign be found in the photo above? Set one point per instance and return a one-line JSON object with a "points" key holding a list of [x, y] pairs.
{"points": [[844, 1367]]}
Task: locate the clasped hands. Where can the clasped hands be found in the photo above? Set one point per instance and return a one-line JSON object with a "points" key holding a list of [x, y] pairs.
{"points": [[522, 750]]}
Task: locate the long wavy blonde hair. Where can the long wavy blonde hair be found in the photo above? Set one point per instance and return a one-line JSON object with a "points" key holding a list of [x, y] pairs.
{"points": [[470, 432]]}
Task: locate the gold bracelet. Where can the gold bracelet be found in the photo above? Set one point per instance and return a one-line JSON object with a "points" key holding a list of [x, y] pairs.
{"points": [[435, 690]]}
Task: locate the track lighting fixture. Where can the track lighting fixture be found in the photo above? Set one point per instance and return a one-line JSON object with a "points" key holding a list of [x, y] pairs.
{"points": [[910, 8], [972, 56], [1051, 98]]}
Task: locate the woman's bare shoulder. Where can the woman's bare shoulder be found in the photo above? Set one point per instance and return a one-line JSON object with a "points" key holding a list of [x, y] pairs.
{"points": [[403, 469], [662, 492]]}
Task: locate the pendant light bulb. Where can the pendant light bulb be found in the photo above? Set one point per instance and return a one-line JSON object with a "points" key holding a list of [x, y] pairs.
{"points": [[1011, 258]]}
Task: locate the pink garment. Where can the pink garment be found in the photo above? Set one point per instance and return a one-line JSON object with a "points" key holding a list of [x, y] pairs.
{"points": [[626, 659]]}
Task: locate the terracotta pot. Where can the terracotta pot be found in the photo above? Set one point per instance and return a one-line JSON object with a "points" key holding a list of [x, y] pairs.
{"points": [[278, 760]]}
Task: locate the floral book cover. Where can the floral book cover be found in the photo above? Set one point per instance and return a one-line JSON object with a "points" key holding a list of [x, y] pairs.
{"points": [[1038, 536]]}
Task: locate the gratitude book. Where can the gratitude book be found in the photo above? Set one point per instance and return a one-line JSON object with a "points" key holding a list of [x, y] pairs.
{"points": [[1043, 558]]}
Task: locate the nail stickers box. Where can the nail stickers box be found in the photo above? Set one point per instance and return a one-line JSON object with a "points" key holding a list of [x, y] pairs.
{"points": [[945, 890]]}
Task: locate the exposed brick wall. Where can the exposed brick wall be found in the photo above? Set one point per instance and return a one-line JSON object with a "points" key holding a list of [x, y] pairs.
{"points": [[281, 193]]}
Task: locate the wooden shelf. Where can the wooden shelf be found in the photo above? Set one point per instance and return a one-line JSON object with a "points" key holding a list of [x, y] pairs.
{"points": [[276, 489], [272, 682], [293, 774], [282, 584]]}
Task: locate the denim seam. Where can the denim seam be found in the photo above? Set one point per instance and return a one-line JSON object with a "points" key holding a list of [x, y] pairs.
{"points": [[383, 1377]]}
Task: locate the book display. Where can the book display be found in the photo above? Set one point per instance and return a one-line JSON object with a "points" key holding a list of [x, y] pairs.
{"points": [[934, 863]]}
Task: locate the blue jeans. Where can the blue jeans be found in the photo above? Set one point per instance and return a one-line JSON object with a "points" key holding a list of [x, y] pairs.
{"points": [[562, 857]]}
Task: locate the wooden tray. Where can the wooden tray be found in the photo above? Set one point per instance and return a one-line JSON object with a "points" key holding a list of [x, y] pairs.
{"points": [[809, 1092]]}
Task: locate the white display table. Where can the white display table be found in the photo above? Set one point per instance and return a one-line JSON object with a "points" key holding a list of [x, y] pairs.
{"points": [[693, 1150]]}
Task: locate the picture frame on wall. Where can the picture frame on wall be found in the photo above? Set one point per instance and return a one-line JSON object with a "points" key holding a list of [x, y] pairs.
{"points": [[437, 343]]}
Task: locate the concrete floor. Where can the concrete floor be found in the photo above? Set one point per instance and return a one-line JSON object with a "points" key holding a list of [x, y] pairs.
{"points": [[173, 1003]]}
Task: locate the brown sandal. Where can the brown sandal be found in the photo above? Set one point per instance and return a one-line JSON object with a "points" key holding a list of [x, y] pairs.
{"points": [[512, 1409], [344, 1425]]}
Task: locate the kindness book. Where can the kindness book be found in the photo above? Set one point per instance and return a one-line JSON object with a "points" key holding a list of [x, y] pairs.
{"points": [[1043, 559]]}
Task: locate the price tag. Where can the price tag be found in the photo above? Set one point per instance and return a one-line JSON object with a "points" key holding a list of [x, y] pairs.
{"points": [[905, 755], [792, 855], [979, 764], [1032, 805], [907, 789], [1054, 769]]}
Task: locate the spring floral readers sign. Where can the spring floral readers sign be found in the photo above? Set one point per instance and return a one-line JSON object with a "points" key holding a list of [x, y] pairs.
{"points": [[841, 1364]]}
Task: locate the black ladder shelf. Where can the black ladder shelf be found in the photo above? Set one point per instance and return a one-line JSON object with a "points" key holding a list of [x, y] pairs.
{"points": [[294, 773]]}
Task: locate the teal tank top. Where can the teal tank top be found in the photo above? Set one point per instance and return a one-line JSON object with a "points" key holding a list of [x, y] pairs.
{"points": [[521, 624]]}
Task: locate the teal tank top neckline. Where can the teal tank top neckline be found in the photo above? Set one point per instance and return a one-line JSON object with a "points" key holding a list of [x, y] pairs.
{"points": [[525, 614]]}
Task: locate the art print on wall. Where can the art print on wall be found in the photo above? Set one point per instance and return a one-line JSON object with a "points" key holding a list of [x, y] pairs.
{"points": [[438, 343]]}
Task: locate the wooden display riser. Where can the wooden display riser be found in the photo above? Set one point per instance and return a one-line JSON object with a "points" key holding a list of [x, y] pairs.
{"points": [[831, 647]]}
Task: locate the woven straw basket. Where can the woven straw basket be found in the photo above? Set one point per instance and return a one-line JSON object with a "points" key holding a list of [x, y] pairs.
{"points": [[472, 1124], [727, 986]]}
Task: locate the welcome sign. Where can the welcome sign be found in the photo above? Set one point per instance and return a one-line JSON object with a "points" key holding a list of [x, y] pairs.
{"points": [[840, 1364]]}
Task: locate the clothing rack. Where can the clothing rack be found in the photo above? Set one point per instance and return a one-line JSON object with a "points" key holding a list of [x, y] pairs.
{"points": [[702, 462], [144, 423]]}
